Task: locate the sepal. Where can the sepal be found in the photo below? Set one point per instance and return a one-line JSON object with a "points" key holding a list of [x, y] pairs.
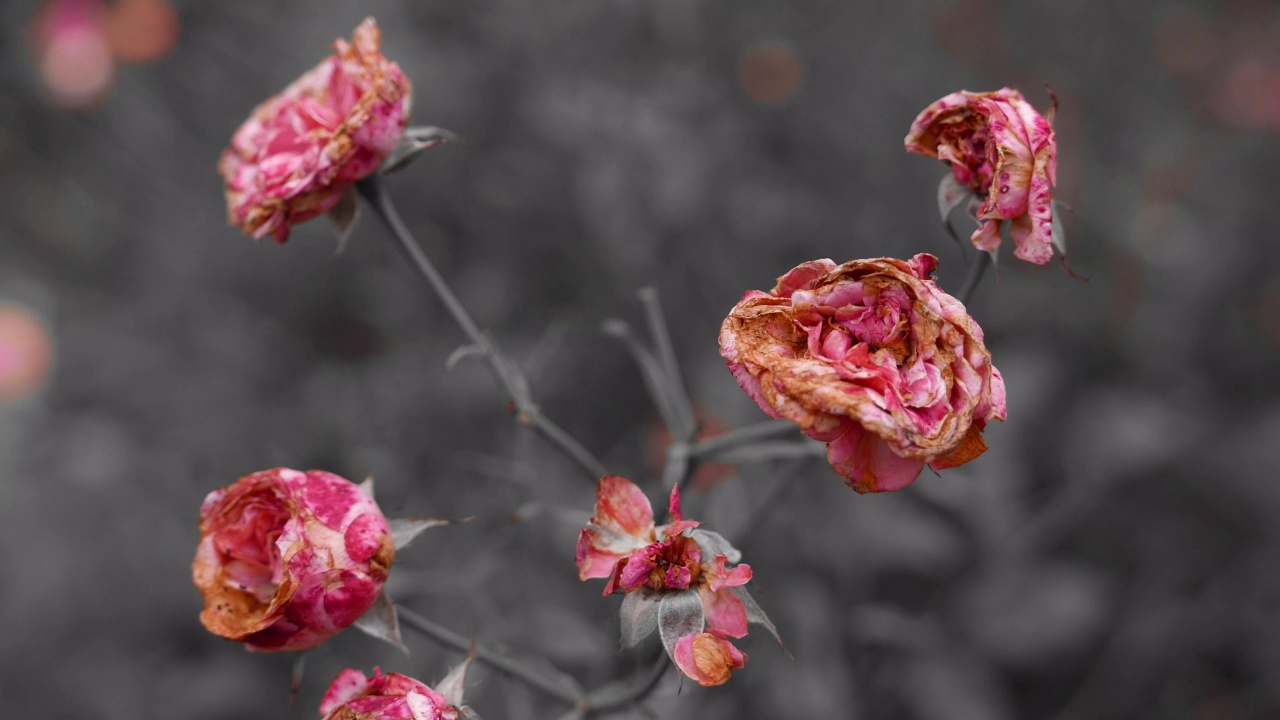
{"points": [[382, 622]]}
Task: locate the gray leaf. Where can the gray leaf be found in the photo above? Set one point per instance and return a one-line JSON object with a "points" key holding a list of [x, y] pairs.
{"points": [[639, 616], [713, 543], [453, 684], [679, 614], [415, 141], [381, 622], [404, 530], [344, 216], [756, 616]]}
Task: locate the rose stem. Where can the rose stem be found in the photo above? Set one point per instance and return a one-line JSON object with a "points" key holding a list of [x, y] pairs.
{"points": [[515, 668], [685, 424], [603, 699], [374, 190], [976, 268], [711, 447], [609, 698]]}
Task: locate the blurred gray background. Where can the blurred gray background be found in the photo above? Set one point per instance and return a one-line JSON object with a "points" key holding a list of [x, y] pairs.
{"points": [[1114, 555]]}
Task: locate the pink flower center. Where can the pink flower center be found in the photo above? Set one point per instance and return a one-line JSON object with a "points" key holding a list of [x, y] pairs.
{"points": [[965, 144], [853, 322], [246, 545], [673, 564]]}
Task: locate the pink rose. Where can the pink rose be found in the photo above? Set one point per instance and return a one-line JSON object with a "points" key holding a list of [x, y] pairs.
{"points": [[871, 358], [288, 559], [677, 578], [1000, 148], [393, 696], [301, 150]]}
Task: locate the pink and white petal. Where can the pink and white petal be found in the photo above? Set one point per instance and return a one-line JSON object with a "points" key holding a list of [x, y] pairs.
{"points": [[803, 277], [987, 237], [622, 508], [347, 686], [1033, 233], [593, 562], [673, 504], [724, 612]]}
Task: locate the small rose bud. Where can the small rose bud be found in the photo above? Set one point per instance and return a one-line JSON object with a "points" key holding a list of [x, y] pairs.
{"points": [[707, 658], [1004, 151], [300, 151], [288, 559], [393, 696], [872, 358]]}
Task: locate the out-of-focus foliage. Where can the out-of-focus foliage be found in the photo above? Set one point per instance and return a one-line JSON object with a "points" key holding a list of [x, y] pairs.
{"points": [[1112, 556]]}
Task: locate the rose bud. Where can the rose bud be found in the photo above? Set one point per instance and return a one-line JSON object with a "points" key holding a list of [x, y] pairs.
{"points": [[871, 358], [393, 696], [708, 658], [288, 559], [300, 151], [1002, 150]]}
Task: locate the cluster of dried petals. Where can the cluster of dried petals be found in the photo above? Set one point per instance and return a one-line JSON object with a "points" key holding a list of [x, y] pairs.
{"points": [[287, 559], [872, 358], [393, 696], [301, 150], [1003, 150], [677, 561]]}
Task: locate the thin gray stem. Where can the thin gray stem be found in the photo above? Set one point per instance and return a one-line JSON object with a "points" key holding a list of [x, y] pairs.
{"points": [[711, 447], [977, 267], [493, 658], [606, 698], [685, 425], [374, 190]]}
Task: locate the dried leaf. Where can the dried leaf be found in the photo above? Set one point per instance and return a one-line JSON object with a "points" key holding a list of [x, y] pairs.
{"points": [[381, 622], [366, 487], [950, 194], [756, 616], [639, 616], [404, 530], [679, 614], [713, 543], [295, 679], [453, 684], [344, 216], [415, 141]]}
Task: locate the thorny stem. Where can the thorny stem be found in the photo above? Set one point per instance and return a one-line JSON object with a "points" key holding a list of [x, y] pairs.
{"points": [[977, 267], [513, 382], [607, 698]]}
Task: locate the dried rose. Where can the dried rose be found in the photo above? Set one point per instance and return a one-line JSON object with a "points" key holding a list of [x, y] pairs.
{"points": [[393, 696], [871, 358], [677, 578], [301, 150], [1003, 150], [288, 559]]}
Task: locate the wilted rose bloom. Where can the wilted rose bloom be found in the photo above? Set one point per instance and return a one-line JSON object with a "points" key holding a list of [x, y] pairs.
{"points": [[1003, 150], [675, 562], [708, 658], [871, 358], [393, 696], [299, 151], [288, 559]]}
